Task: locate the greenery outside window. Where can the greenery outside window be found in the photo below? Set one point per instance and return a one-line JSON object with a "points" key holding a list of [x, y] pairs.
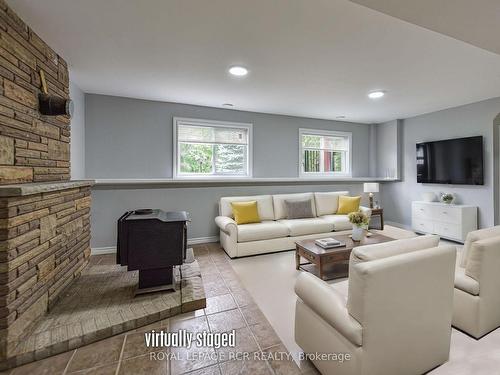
{"points": [[325, 153], [211, 149]]}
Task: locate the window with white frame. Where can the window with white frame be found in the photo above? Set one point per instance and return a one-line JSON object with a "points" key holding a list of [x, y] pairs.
{"points": [[204, 148], [325, 153]]}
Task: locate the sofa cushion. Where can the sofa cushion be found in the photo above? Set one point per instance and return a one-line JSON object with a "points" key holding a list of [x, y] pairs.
{"points": [[298, 209], [341, 287], [474, 236], [328, 203], [340, 222], [301, 227], [327, 304], [264, 230], [466, 283], [483, 255], [279, 203], [264, 205], [409, 291], [376, 252]]}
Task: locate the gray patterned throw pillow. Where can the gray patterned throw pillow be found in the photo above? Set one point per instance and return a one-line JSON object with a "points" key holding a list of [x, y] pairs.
{"points": [[299, 209]]}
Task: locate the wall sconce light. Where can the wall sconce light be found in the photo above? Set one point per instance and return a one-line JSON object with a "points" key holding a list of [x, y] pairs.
{"points": [[52, 105]]}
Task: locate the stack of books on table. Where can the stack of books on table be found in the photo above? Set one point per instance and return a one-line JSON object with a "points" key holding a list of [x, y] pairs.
{"points": [[328, 243]]}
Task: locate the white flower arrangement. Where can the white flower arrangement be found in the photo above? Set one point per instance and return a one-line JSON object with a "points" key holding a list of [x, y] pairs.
{"points": [[359, 219]]}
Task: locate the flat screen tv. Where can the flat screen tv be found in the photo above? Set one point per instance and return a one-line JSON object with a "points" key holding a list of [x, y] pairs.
{"points": [[451, 161]]}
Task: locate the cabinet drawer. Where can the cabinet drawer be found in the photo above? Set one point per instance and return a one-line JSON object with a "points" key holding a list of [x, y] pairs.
{"points": [[422, 210], [304, 254], [448, 230], [422, 225], [447, 214]]}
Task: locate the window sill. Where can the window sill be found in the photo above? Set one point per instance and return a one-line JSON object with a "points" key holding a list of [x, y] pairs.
{"points": [[320, 176], [208, 178], [170, 182]]}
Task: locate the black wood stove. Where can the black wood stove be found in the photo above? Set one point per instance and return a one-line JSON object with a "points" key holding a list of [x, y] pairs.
{"points": [[153, 242]]}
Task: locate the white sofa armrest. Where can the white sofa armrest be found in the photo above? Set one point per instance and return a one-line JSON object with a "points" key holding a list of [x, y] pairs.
{"points": [[367, 211], [226, 224], [466, 283], [330, 305]]}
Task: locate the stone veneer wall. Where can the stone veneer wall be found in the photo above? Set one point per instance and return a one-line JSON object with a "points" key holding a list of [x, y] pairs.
{"points": [[45, 243], [44, 225], [32, 147]]}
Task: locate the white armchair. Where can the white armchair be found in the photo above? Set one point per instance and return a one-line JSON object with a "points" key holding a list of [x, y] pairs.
{"points": [[477, 284], [397, 315]]}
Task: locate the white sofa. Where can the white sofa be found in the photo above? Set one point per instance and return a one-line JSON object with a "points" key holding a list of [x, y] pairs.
{"points": [[393, 315], [275, 232], [477, 284]]}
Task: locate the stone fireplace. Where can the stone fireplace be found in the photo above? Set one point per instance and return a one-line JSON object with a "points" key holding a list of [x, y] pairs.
{"points": [[44, 217], [45, 231], [53, 296]]}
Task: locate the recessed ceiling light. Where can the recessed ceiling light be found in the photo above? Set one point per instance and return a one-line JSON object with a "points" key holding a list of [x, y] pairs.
{"points": [[239, 71], [228, 105], [376, 94], [340, 117]]}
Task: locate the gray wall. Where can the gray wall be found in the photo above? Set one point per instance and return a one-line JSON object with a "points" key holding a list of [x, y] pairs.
{"points": [[131, 138], [496, 167], [77, 147], [469, 120], [201, 203], [134, 138], [387, 144], [372, 163]]}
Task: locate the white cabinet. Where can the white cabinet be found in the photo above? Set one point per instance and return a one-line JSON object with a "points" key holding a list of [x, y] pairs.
{"points": [[449, 221]]}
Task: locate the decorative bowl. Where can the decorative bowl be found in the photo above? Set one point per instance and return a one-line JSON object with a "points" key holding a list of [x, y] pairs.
{"points": [[429, 197]]}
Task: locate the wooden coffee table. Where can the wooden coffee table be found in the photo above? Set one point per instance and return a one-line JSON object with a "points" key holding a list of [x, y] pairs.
{"points": [[333, 263]]}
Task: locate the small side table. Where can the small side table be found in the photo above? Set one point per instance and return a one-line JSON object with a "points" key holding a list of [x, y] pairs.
{"points": [[380, 213]]}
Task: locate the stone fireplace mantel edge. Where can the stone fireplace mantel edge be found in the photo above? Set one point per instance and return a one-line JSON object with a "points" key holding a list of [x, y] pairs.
{"points": [[41, 187]]}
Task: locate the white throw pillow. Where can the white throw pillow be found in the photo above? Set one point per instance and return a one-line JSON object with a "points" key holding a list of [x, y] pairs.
{"points": [[328, 203]]}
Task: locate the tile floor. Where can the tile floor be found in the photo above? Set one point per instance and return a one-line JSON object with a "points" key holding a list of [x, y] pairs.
{"points": [[100, 304], [255, 297], [270, 279], [229, 306]]}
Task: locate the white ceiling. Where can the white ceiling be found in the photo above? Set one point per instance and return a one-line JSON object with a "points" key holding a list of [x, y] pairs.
{"points": [[474, 21], [314, 58]]}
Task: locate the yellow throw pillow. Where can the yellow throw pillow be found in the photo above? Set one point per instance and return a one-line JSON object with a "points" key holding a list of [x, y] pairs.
{"points": [[348, 204], [245, 212]]}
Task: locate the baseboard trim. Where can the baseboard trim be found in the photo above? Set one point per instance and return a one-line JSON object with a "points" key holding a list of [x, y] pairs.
{"points": [[398, 225], [103, 250], [191, 241], [198, 240]]}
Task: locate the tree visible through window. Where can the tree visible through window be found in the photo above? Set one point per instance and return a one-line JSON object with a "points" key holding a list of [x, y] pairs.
{"points": [[324, 152], [212, 149]]}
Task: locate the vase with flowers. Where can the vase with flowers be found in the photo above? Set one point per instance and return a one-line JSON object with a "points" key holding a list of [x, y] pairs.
{"points": [[359, 222]]}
